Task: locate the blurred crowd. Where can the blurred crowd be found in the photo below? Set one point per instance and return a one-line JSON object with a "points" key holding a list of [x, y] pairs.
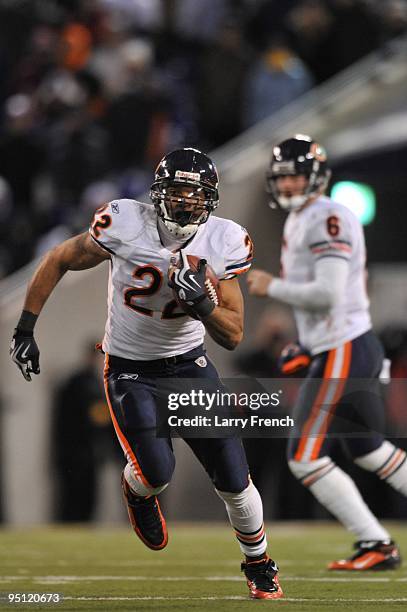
{"points": [[94, 92]]}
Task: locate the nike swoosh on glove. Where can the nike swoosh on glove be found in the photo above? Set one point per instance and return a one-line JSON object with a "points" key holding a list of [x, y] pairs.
{"points": [[25, 353], [189, 286]]}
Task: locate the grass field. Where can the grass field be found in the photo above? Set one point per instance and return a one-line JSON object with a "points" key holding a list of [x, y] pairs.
{"points": [[109, 569]]}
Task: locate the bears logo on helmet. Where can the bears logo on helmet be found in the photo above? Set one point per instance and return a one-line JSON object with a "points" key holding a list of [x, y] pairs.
{"points": [[318, 152], [185, 190]]}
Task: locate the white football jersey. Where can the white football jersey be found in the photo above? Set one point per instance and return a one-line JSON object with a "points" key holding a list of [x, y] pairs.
{"points": [[327, 229], [144, 321]]}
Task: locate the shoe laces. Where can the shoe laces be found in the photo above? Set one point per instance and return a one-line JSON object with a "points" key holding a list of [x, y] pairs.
{"points": [[147, 511], [262, 573]]}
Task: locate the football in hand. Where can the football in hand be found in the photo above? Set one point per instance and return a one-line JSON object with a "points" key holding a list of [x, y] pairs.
{"points": [[212, 285]]}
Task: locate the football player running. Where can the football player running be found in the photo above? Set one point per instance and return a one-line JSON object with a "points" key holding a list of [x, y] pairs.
{"points": [[149, 337], [323, 278]]}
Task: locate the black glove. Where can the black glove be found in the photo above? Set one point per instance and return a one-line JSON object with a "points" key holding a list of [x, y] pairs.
{"points": [[24, 352], [189, 286], [293, 358]]}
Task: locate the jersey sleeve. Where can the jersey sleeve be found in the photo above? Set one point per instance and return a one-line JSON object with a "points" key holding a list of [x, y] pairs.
{"points": [[106, 225], [239, 252], [330, 235]]}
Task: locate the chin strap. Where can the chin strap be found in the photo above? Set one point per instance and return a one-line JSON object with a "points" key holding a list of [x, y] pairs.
{"points": [[294, 202], [177, 231], [173, 229]]}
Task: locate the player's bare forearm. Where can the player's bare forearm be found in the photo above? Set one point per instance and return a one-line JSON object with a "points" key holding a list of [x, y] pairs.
{"points": [[77, 253], [225, 323], [225, 327]]}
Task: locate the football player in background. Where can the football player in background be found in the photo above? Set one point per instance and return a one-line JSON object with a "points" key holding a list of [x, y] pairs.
{"points": [[148, 337], [323, 277]]}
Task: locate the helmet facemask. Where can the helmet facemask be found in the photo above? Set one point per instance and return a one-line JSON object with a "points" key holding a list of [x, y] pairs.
{"points": [[316, 185], [182, 206], [294, 157]]}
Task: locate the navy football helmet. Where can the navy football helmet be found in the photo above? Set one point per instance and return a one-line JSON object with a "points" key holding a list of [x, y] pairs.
{"points": [[294, 156], [185, 190]]}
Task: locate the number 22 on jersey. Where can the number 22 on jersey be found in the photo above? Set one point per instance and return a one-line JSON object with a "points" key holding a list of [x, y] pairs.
{"points": [[156, 279]]}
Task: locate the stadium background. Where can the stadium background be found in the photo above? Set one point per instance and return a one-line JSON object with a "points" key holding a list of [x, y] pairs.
{"points": [[92, 94]]}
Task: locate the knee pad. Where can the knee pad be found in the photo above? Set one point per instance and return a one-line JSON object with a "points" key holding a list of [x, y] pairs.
{"points": [[310, 471], [140, 488]]}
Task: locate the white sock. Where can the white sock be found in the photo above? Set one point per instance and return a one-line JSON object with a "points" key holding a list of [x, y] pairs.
{"points": [[337, 492], [389, 463], [245, 511]]}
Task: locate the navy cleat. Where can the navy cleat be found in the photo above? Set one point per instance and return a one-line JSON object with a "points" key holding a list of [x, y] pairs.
{"points": [[146, 518], [262, 579]]}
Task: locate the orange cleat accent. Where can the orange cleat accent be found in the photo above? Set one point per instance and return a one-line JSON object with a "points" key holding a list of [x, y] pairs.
{"points": [[262, 579], [377, 556], [146, 518]]}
